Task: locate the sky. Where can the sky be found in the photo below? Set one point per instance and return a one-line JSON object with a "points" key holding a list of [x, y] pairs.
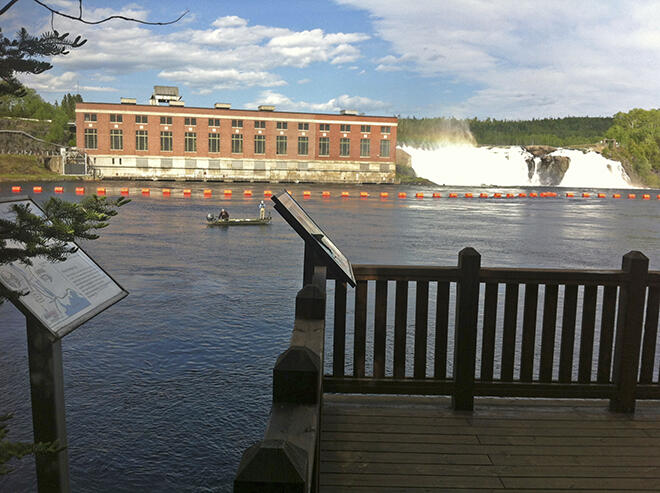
{"points": [[505, 59]]}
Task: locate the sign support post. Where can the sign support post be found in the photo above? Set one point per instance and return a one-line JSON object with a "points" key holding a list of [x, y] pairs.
{"points": [[47, 392]]}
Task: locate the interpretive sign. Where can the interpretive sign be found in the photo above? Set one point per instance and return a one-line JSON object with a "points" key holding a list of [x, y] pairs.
{"points": [[61, 295], [338, 265]]}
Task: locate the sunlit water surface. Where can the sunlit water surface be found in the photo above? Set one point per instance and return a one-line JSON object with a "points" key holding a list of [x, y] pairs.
{"points": [[166, 389]]}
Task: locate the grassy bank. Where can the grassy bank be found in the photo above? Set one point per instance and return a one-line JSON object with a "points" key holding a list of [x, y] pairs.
{"points": [[27, 168]]}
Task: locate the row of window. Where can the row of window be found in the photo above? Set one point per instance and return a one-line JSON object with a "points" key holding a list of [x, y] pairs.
{"points": [[215, 122], [190, 143]]}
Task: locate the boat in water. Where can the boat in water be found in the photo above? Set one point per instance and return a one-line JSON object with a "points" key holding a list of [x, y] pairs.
{"points": [[212, 220]]}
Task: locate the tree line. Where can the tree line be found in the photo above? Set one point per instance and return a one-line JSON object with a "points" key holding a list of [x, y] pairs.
{"points": [[31, 105]]}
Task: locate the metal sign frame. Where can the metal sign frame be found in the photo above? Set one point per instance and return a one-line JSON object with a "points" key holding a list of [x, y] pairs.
{"points": [[317, 243]]}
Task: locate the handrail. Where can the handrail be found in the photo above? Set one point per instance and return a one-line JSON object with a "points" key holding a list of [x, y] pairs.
{"points": [[287, 458]]}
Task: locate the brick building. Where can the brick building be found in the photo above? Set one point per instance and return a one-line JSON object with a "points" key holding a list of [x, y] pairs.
{"points": [[128, 140]]}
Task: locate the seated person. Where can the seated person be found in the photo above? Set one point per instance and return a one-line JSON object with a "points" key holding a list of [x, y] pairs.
{"points": [[224, 215]]}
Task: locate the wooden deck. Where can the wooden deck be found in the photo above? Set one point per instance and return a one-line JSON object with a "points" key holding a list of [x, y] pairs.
{"points": [[402, 443]]}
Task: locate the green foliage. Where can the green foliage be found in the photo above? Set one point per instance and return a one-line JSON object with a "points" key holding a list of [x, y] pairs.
{"points": [[18, 450], [637, 134], [427, 133]]}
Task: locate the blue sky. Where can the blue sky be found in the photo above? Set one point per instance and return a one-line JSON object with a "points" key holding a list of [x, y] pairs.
{"points": [[463, 58]]}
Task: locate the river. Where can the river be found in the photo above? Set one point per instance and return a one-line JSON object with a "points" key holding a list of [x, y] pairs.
{"points": [[165, 389]]}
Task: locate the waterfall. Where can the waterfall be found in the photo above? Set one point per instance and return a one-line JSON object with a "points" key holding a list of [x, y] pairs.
{"points": [[467, 165]]}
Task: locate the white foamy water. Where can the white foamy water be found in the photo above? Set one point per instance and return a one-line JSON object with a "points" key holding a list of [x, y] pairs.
{"points": [[466, 165]]}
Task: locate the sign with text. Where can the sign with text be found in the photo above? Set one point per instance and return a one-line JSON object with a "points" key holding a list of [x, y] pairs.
{"points": [[304, 225], [61, 295]]}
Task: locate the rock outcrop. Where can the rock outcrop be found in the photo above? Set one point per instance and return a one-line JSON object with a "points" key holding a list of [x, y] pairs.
{"points": [[550, 169]]}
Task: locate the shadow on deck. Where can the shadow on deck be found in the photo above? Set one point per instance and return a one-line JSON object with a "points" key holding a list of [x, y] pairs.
{"points": [[404, 443]]}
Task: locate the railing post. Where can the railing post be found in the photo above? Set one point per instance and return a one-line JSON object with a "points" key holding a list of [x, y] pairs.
{"points": [[630, 317], [465, 337]]}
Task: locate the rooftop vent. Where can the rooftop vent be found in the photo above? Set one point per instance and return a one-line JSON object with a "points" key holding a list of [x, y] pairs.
{"points": [[177, 103], [266, 107], [127, 100], [222, 106], [348, 112]]}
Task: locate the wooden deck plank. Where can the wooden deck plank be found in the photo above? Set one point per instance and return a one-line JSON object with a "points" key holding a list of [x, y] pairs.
{"points": [[397, 443]]}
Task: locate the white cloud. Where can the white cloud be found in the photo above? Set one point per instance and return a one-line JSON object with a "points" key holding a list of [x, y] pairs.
{"points": [[221, 78], [344, 101], [66, 82], [527, 58], [304, 81]]}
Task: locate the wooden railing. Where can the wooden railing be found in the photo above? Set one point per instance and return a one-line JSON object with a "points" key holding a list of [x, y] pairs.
{"points": [[508, 332], [287, 459]]}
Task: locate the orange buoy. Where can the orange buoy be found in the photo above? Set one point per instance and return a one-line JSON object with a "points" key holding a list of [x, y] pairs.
{"points": [[659, 196], [570, 194], [247, 193], [16, 189], [616, 195], [437, 195], [227, 191], [601, 195], [208, 192], [483, 195], [325, 194], [510, 196], [187, 192], [100, 191], [553, 194], [586, 194], [364, 194], [307, 194], [632, 196], [533, 194], [124, 191], [468, 195], [344, 194], [146, 191], [646, 196], [80, 190], [384, 195], [522, 195], [167, 192], [268, 193], [497, 195], [37, 189], [403, 195], [59, 189], [453, 195], [419, 195]]}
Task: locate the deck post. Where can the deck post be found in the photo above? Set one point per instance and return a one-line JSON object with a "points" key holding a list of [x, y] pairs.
{"points": [[465, 338], [630, 317]]}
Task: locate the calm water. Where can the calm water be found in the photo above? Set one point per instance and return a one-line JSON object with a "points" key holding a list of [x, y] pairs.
{"points": [[165, 389]]}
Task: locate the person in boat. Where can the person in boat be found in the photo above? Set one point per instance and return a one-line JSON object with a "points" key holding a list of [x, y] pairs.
{"points": [[262, 210], [224, 215], [209, 217]]}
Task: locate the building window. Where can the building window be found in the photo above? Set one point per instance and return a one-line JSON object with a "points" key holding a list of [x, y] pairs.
{"points": [[166, 141], [190, 121], [91, 138], [259, 124], [365, 129], [90, 117], [214, 122], [324, 127], [166, 120], [260, 144], [303, 126], [141, 140], [344, 147], [214, 142], [141, 119], [365, 147], [281, 144], [115, 118], [237, 124], [384, 148], [282, 125], [303, 146], [116, 140], [385, 130], [237, 143], [345, 128], [324, 146], [190, 142]]}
